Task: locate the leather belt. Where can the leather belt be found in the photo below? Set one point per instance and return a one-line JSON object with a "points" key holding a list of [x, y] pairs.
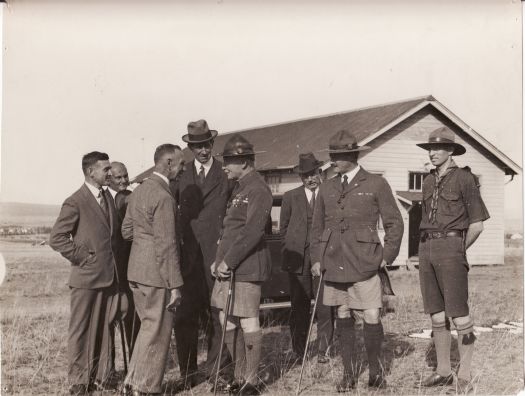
{"points": [[440, 234]]}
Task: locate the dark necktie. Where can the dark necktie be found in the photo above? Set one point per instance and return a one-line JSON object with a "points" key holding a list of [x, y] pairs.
{"points": [[104, 203], [345, 181], [312, 200], [202, 176]]}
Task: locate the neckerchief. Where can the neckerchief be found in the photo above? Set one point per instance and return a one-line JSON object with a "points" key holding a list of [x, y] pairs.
{"points": [[437, 185]]}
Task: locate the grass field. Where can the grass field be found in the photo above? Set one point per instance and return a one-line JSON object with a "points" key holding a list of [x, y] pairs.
{"points": [[34, 314]]}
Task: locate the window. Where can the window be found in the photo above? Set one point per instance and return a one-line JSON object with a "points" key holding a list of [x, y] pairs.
{"points": [[415, 181], [273, 180]]}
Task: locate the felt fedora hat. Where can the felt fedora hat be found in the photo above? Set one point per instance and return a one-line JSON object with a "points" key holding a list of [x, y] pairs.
{"points": [[307, 163], [443, 136], [198, 132], [238, 146], [344, 142]]}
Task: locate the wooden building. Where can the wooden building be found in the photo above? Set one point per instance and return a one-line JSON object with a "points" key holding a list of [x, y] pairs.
{"points": [[392, 130]]}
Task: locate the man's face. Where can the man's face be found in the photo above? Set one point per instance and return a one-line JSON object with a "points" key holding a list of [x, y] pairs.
{"points": [[439, 154], [201, 151], [100, 172], [343, 162], [119, 178], [311, 180], [233, 168], [175, 161]]}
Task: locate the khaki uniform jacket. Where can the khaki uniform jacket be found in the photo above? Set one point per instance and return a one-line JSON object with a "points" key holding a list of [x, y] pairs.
{"points": [[83, 235], [344, 230], [150, 222], [242, 245]]}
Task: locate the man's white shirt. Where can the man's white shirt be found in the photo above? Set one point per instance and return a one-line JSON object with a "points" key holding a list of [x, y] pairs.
{"points": [[207, 166]]}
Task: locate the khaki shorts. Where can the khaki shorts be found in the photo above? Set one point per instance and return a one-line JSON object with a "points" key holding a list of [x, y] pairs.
{"points": [[245, 300], [357, 295]]}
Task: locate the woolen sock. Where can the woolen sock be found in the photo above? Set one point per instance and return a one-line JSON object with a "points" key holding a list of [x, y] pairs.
{"points": [[346, 335], [373, 342], [235, 343], [442, 340], [466, 340], [252, 342]]}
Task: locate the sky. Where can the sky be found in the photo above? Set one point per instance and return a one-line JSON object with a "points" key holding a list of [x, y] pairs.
{"points": [[125, 76]]}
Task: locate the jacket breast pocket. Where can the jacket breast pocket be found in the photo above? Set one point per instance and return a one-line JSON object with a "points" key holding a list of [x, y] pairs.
{"points": [[451, 202]]}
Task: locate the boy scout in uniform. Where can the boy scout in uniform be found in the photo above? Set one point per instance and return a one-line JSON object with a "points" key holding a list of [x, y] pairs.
{"points": [[243, 251], [452, 219], [345, 240]]}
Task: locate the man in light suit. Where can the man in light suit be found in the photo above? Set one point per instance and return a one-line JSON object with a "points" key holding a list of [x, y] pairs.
{"points": [[154, 270], [346, 242], [86, 233], [202, 192], [296, 222]]}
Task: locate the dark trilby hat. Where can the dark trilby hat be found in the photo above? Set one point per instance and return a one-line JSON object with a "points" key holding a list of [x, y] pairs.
{"points": [[198, 132], [238, 146], [443, 136], [344, 142], [307, 163]]}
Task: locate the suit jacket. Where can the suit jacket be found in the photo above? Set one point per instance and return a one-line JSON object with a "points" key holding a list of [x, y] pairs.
{"points": [[150, 223], [124, 248], [294, 223], [83, 235], [344, 228], [201, 212]]}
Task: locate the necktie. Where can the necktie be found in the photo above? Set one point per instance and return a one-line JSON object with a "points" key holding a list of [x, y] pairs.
{"points": [[345, 181], [202, 176], [312, 200], [103, 203]]}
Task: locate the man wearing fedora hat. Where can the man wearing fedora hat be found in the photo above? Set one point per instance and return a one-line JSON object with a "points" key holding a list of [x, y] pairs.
{"points": [[243, 254], [202, 192], [453, 213], [345, 245], [295, 223]]}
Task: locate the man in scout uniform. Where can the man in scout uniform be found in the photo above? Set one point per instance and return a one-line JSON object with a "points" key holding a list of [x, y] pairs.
{"points": [[296, 222], [242, 251], [452, 219], [345, 240]]}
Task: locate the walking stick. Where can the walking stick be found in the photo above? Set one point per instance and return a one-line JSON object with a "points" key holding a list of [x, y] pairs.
{"points": [[223, 335], [124, 342], [309, 332]]}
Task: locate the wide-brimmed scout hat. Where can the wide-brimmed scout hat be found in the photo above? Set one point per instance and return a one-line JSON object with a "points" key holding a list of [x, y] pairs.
{"points": [[344, 142], [238, 146], [307, 163], [443, 136], [198, 132]]}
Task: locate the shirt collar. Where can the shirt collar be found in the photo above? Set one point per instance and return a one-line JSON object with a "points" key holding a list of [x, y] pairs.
{"points": [[246, 178], [308, 192], [351, 174], [162, 177], [207, 165], [112, 192], [94, 190]]}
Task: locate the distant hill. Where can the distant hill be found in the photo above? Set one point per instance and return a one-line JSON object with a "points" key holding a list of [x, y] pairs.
{"points": [[26, 214]]}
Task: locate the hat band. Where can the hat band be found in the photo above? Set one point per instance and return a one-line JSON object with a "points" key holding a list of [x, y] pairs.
{"points": [[440, 140], [199, 137], [352, 146]]}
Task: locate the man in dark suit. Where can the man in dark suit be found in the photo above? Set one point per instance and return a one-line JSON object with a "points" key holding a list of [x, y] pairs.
{"points": [[86, 233], [153, 270], [345, 240], [295, 223], [203, 192]]}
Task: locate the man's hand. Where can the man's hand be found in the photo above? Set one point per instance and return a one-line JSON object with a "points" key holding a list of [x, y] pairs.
{"points": [[175, 300], [213, 268], [223, 271], [316, 269], [383, 264]]}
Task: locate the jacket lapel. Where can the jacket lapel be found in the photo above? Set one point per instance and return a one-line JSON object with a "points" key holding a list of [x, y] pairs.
{"points": [[92, 203], [212, 178], [302, 202], [356, 181]]}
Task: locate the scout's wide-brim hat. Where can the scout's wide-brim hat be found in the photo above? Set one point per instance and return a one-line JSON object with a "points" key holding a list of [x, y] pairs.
{"points": [[344, 141], [238, 146], [443, 136], [198, 132], [307, 163]]}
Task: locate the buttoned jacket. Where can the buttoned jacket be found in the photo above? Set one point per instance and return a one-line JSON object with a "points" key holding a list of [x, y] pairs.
{"points": [[84, 236], [344, 235]]}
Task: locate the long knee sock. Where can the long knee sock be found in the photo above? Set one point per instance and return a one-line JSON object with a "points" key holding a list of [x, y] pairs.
{"points": [[466, 340], [442, 339], [373, 341], [252, 342], [235, 343], [346, 335]]}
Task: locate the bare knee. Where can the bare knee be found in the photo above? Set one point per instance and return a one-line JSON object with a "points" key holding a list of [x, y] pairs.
{"points": [[371, 316], [344, 312], [438, 317], [230, 323], [250, 325]]}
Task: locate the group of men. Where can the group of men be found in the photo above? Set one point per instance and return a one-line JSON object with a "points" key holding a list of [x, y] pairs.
{"points": [[187, 248]]}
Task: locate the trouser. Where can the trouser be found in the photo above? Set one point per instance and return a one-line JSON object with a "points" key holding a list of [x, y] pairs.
{"points": [[148, 362], [89, 340], [302, 289]]}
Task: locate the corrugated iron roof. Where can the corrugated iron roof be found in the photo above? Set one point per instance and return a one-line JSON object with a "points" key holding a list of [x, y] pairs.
{"points": [[412, 196]]}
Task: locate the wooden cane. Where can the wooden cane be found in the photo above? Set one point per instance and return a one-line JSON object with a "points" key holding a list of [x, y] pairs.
{"points": [[124, 342]]}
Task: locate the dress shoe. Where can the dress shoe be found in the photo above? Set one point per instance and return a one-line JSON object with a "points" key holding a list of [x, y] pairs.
{"points": [[79, 389], [223, 384], [100, 386], [377, 381], [437, 380], [126, 390], [251, 389], [345, 385], [322, 358], [463, 387]]}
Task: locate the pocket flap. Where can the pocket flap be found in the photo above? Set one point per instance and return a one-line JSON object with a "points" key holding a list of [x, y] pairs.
{"points": [[367, 236], [450, 196]]}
